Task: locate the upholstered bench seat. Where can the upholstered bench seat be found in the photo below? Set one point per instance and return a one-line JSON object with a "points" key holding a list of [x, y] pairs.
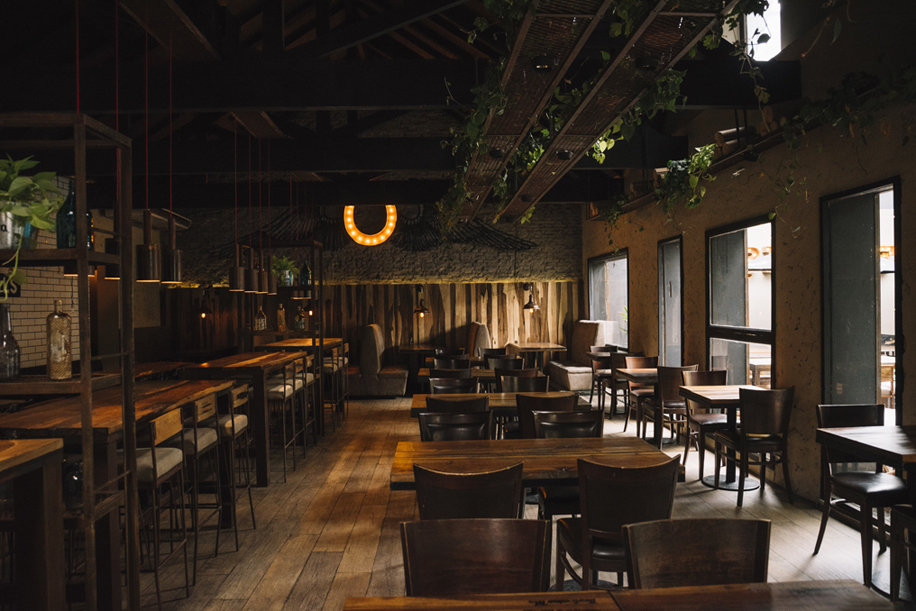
{"points": [[371, 378], [575, 371]]}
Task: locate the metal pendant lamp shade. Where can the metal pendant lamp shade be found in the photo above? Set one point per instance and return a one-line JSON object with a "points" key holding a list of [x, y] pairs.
{"points": [[237, 274], [149, 258], [171, 257], [421, 309], [271, 278], [531, 306], [263, 276], [251, 275]]}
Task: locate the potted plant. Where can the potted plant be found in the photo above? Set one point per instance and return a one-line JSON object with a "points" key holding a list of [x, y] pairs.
{"points": [[27, 204], [285, 270]]}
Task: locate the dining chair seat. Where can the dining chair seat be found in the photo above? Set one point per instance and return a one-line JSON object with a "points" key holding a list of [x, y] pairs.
{"points": [[225, 423], [569, 535], [708, 420], [166, 460], [206, 438], [279, 392], [883, 488], [558, 501]]}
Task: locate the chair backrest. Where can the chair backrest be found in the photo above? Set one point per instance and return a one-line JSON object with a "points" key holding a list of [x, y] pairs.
{"points": [[514, 372], [640, 362], [452, 362], [607, 349], [479, 556], [455, 426], [716, 377], [493, 352], [670, 381], [707, 551], [537, 383], [611, 496], [448, 404], [449, 351], [505, 362], [602, 362], [835, 416], [765, 412], [549, 425], [492, 494], [541, 402], [441, 386]]}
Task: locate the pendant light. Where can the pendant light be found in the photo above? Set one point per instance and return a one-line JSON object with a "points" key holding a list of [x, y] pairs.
{"points": [[251, 274], [171, 256], [298, 294], [421, 310], [113, 244], [263, 280], [531, 306], [236, 272], [271, 276], [149, 260]]}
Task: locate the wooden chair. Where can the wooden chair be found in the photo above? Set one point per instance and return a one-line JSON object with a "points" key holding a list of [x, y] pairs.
{"points": [[536, 402], [602, 373], [455, 426], [667, 406], [903, 524], [454, 362], [710, 552], [455, 374], [611, 496], [615, 383], [493, 352], [491, 494], [867, 489], [764, 431], [637, 393], [701, 422], [443, 386], [479, 556], [447, 404], [526, 383], [504, 362]]}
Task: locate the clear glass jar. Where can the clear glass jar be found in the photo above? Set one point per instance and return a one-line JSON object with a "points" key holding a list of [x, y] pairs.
{"points": [[260, 320], [9, 347], [60, 361]]}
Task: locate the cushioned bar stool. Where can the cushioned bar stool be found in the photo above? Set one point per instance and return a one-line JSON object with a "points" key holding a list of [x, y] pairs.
{"points": [[200, 444], [236, 456], [332, 371], [869, 490], [306, 388], [281, 404]]}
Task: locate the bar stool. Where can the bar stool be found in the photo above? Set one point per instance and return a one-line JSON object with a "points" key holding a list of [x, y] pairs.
{"points": [[333, 380], [234, 438], [308, 399], [281, 404]]}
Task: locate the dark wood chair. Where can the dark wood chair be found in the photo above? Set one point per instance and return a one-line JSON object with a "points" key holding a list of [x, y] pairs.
{"points": [[505, 362], [611, 496], [442, 386], [536, 402], [455, 426], [615, 383], [700, 421], [526, 383], [455, 374], [667, 407], [492, 494], [452, 362], [903, 525], [867, 489], [493, 352], [447, 404], [637, 393], [479, 556], [764, 431], [709, 551], [602, 374], [564, 500]]}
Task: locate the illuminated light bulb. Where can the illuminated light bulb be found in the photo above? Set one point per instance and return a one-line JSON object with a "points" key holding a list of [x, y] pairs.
{"points": [[371, 240]]}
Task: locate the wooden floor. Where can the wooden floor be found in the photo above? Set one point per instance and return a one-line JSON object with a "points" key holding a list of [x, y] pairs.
{"points": [[331, 531]]}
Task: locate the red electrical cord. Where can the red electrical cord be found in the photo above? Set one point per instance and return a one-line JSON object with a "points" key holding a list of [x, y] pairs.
{"points": [[249, 192], [146, 97], [269, 249], [260, 202], [235, 173], [77, 25], [170, 122]]}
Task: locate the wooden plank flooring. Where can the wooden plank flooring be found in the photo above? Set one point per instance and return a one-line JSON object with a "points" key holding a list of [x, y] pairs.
{"points": [[331, 531]]}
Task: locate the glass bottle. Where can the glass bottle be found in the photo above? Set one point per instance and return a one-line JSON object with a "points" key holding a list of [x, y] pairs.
{"points": [[66, 222], [281, 318], [9, 347], [299, 321], [305, 281], [60, 365], [260, 320]]}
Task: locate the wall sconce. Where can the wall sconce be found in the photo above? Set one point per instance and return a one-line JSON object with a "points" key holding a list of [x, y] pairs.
{"points": [[421, 309], [205, 311], [377, 238], [531, 306]]}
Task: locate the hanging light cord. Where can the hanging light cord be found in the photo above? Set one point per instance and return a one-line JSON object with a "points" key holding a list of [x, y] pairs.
{"points": [[77, 26], [146, 98], [117, 63], [269, 248], [250, 230], [235, 173], [260, 205], [170, 125]]}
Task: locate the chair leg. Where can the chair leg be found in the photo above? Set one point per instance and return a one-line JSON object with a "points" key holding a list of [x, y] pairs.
{"points": [[718, 464], [686, 447], [701, 449], [865, 532], [742, 474], [626, 418], [560, 570], [763, 470], [897, 552], [882, 531], [824, 517]]}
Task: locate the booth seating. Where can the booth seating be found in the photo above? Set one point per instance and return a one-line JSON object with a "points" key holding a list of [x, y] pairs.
{"points": [[478, 338], [575, 372], [371, 378]]}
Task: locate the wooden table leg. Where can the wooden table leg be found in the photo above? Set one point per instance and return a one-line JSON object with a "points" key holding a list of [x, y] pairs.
{"points": [[40, 538], [260, 430]]}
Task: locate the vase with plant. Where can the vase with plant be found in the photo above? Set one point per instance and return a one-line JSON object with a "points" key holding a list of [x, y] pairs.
{"points": [[27, 204], [285, 269]]}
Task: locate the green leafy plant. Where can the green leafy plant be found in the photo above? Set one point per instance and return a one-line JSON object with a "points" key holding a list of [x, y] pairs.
{"points": [[681, 183], [284, 264], [31, 200]]}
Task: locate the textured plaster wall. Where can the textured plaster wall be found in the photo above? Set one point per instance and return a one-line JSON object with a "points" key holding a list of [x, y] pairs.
{"points": [[556, 229], [743, 192]]}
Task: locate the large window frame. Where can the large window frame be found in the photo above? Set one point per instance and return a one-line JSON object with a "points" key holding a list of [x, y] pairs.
{"points": [[736, 333], [593, 265]]}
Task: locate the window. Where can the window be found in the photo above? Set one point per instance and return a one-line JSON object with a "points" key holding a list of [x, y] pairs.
{"points": [[740, 301], [670, 300], [764, 33], [607, 295]]}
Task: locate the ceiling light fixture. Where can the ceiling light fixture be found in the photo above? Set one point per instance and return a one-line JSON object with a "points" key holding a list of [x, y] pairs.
{"points": [[543, 63], [376, 238]]}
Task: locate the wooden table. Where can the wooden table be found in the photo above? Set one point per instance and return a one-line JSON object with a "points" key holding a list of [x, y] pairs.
{"points": [[894, 446], [301, 344], [597, 600], [255, 368], [157, 368], [782, 596], [34, 467], [547, 462], [501, 403], [537, 349], [61, 418], [727, 398]]}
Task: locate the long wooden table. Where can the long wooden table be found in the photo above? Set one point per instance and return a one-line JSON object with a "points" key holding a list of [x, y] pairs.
{"points": [[547, 462], [501, 403], [597, 600], [538, 349], [255, 368], [61, 418], [727, 398], [34, 467], [301, 344]]}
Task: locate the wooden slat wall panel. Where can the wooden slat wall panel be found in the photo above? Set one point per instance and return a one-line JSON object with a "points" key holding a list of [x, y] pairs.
{"points": [[349, 308]]}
